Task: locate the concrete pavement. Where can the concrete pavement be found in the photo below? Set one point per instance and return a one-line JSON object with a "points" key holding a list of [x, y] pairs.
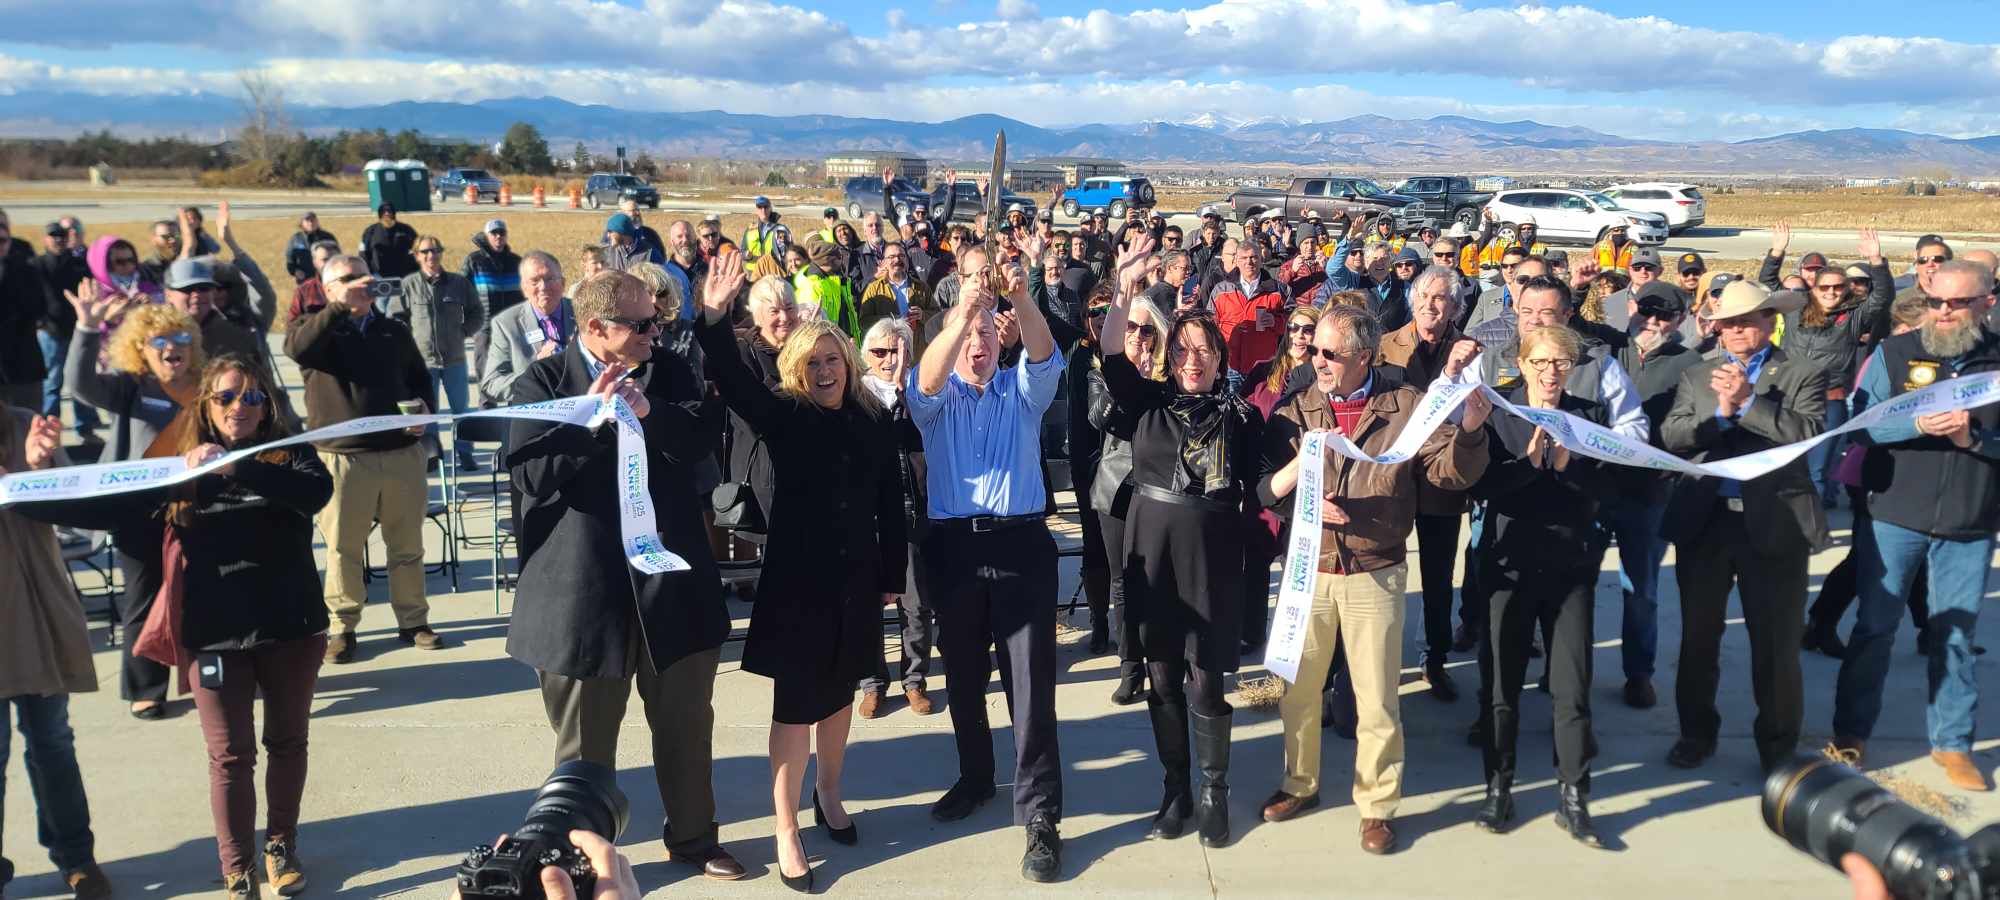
{"points": [[417, 756]]}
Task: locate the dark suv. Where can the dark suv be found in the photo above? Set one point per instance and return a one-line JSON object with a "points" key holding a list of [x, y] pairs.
{"points": [[970, 206], [864, 195], [607, 189]]}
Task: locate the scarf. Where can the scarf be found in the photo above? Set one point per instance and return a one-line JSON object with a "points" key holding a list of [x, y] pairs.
{"points": [[1206, 421]]}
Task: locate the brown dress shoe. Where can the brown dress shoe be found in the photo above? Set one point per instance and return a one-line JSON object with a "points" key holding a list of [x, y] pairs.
{"points": [[88, 883], [422, 637], [1282, 806], [1377, 837], [920, 702], [715, 862], [340, 647], [1959, 767], [870, 706]]}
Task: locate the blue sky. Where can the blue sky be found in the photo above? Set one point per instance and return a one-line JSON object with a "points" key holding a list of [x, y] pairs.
{"points": [[1688, 71]]}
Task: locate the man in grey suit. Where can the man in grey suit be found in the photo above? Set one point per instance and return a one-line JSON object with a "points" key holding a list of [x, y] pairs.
{"points": [[1754, 535], [525, 332]]}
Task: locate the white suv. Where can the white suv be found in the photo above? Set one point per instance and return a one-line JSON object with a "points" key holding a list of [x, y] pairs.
{"points": [[1682, 204], [1586, 216]]}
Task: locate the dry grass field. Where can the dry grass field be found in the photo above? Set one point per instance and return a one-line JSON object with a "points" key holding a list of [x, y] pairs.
{"points": [[1889, 209], [562, 233]]}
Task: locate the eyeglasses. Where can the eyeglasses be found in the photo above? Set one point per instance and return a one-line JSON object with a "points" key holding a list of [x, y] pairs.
{"points": [[1339, 355], [163, 341], [1543, 365], [1955, 302], [171, 237], [1406, 264], [1643, 267], [1442, 255], [1509, 267], [1144, 330], [251, 398], [1300, 328], [1835, 286], [429, 251], [881, 352], [647, 325], [1934, 260], [1179, 352]]}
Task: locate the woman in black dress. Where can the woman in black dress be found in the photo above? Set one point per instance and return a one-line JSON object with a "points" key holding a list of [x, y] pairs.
{"points": [[835, 555], [1194, 452], [1541, 503]]}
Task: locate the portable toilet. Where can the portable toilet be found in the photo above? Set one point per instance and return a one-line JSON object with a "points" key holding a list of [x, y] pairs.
{"points": [[384, 185], [415, 179]]}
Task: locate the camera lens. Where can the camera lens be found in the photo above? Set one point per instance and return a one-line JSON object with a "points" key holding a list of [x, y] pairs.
{"points": [[579, 794], [1828, 810]]}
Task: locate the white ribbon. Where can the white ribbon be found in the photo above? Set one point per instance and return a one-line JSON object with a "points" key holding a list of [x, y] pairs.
{"points": [[638, 527], [1285, 646]]}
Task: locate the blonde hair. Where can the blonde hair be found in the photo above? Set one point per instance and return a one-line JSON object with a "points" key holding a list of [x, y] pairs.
{"points": [[1158, 370], [1281, 367], [1560, 337], [658, 282], [1347, 298], [801, 343], [128, 343], [597, 297]]}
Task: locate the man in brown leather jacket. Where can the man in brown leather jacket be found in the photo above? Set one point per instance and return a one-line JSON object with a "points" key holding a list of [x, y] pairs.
{"points": [[1358, 597]]}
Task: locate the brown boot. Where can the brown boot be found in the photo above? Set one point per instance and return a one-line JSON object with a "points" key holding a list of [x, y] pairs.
{"points": [[1959, 767], [1377, 837], [340, 647], [871, 705], [920, 702]]}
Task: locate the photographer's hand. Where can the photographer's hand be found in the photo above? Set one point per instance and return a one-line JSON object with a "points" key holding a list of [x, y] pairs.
{"points": [[1868, 883], [615, 880]]}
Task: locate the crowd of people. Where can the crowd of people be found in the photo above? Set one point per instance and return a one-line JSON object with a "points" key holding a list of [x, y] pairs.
{"points": [[880, 415]]}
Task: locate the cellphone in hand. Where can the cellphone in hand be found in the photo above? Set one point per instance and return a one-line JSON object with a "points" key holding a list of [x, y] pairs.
{"points": [[208, 668]]}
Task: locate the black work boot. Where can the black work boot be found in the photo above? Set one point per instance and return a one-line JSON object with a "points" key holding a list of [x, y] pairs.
{"points": [[1573, 815], [1498, 811]]}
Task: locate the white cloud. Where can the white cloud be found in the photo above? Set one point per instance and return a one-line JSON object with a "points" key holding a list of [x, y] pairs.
{"points": [[1017, 10]]}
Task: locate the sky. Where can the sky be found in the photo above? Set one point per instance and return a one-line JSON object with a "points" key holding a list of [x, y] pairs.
{"points": [[1695, 70]]}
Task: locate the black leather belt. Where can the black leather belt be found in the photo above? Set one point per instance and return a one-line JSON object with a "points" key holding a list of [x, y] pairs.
{"points": [[989, 524], [1179, 499]]}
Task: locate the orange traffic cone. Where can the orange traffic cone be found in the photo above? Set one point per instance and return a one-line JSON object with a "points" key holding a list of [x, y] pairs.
{"points": [[575, 198], [471, 194], [506, 195], [541, 197]]}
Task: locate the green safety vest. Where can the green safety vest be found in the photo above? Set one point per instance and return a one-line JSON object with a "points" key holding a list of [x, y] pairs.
{"points": [[835, 299]]}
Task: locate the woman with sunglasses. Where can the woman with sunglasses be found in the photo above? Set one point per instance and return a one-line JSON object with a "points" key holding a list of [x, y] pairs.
{"points": [[249, 593], [1194, 463], [1827, 332], [836, 553], [155, 359], [1110, 485], [1538, 565]]}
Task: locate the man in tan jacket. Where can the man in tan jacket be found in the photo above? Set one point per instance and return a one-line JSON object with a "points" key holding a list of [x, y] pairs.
{"points": [[1358, 596]]}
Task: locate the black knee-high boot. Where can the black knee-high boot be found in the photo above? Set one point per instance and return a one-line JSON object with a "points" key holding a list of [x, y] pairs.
{"points": [[1170, 734], [1211, 746]]}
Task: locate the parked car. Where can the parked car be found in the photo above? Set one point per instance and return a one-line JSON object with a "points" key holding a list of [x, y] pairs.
{"points": [[608, 189], [454, 180], [969, 204], [864, 195], [1446, 198], [1682, 204], [1114, 194], [1560, 214], [1331, 196]]}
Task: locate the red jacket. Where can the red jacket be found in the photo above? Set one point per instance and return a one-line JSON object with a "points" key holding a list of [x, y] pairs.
{"points": [[1253, 324]]}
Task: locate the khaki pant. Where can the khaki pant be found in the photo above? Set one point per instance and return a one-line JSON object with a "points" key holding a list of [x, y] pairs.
{"points": [[1365, 612], [385, 486]]}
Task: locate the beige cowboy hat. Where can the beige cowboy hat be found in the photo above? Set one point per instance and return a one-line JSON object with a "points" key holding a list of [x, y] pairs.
{"points": [[1741, 297], [1457, 231]]}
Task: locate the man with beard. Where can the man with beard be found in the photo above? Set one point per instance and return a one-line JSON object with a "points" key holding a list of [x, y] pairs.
{"points": [[1644, 267], [683, 257], [1654, 360], [1934, 495], [1614, 253]]}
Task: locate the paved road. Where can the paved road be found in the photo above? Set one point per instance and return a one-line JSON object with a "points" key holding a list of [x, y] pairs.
{"points": [[416, 756]]}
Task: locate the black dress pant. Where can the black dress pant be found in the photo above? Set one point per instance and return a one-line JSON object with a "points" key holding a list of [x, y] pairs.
{"points": [[919, 631], [1112, 529], [998, 590], [1260, 550], [1437, 552], [1722, 555], [1518, 603], [139, 678]]}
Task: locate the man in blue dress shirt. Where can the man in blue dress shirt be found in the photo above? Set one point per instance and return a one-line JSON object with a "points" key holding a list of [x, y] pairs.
{"points": [[991, 560]]}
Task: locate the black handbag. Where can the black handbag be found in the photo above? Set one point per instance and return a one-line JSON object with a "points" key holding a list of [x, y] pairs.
{"points": [[734, 504]]}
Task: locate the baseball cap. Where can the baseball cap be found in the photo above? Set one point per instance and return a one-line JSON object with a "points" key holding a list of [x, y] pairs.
{"points": [[712, 219], [1720, 281], [1646, 256], [829, 213], [1692, 262], [495, 226], [1859, 271], [1047, 215], [1813, 259], [763, 200], [187, 273], [1212, 214], [1312, 214], [1100, 214], [1005, 227], [622, 224], [55, 229], [1660, 298]]}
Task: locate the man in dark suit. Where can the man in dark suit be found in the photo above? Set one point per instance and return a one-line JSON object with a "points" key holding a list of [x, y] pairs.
{"points": [[1754, 535], [588, 623]]}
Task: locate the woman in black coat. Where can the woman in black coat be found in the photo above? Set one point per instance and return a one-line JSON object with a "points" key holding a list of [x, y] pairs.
{"points": [[1541, 506], [835, 555], [1194, 459], [251, 612]]}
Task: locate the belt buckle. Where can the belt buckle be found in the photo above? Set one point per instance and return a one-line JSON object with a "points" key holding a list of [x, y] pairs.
{"points": [[1735, 504], [982, 524]]}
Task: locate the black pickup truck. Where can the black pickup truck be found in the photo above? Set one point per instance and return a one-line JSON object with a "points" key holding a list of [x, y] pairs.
{"points": [[1446, 199]]}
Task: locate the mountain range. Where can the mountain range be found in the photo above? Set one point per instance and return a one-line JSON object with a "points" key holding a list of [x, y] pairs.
{"points": [[1200, 140]]}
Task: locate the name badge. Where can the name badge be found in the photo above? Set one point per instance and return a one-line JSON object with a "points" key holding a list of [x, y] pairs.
{"points": [[1922, 374], [1507, 378], [537, 336]]}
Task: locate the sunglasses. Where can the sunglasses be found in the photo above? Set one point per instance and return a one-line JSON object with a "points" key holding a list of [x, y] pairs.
{"points": [[251, 398], [163, 341], [647, 325], [1300, 328], [429, 251], [1143, 330], [352, 277], [1097, 312], [1642, 267], [1954, 302], [1837, 286], [1933, 260], [1337, 355], [881, 352]]}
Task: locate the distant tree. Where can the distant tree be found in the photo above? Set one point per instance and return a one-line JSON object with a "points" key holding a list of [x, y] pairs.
{"points": [[644, 164], [524, 151], [266, 130], [409, 144], [774, 179], [580, 156]]}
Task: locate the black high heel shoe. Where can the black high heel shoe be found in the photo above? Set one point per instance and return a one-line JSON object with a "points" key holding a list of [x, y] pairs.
{"points": [[848, 836], [803, 883]]}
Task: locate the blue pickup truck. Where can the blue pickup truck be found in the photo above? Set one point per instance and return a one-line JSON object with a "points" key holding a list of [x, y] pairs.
{"points": [[454, 180], [1113, 194]]}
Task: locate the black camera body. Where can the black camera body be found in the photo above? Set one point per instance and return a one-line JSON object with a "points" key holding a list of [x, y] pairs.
{"points": [[1828, 810], [578, 795], [385, 288]]}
